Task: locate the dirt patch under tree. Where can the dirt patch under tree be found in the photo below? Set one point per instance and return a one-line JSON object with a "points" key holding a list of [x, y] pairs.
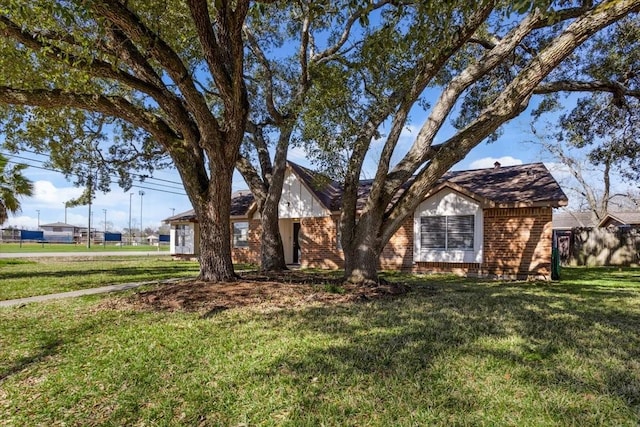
{"points": [[258, 290]]}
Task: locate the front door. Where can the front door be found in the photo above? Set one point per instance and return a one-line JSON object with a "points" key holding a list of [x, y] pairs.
{"points": [[184, 239], [296, 243]]}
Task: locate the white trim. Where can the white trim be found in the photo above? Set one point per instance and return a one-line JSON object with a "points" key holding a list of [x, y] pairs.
{"points": [[449, 203]]}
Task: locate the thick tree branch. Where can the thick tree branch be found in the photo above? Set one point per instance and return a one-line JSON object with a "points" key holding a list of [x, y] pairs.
{"points": [[252, 177], [616, 88], [109, 105], [276, 115], [117, 13], [512, 100], [416, 154], [153, 86], [210, 47], [260, 144], [382, 188]]}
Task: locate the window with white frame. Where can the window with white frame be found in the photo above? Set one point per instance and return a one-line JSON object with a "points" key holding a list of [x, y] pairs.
{"points": [[448, 227], [447, 232], [240, 234]]}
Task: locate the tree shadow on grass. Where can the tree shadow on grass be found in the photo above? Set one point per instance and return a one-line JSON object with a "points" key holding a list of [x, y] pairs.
{"points": [[517, 327], [119, 271], [49, 343], [48, 348]]}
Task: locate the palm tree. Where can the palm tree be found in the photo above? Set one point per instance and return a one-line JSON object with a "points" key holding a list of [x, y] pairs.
{"points": [[12, 185]]}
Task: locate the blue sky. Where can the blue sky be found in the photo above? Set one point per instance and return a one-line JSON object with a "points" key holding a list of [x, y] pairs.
{"points": [[159, 200]]}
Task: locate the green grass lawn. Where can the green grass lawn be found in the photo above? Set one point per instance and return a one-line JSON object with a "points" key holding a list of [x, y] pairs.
{"points": [[24, 278], [33, 247], [450, 352]]}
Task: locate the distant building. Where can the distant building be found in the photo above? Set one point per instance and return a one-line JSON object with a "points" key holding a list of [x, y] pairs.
{"points": [[61, 232]]}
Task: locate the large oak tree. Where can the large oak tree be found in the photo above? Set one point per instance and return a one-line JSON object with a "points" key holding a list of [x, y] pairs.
{"points": [[485, 60], [181, 78], [168, 75]]}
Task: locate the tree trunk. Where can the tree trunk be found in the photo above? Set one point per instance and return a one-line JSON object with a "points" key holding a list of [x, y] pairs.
{"points": [[362, 252], [361, 265], [271, 248], [214, 214]]}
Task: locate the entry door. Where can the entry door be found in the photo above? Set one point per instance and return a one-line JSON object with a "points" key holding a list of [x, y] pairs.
{"points": [[184, 239], [296, 243]]}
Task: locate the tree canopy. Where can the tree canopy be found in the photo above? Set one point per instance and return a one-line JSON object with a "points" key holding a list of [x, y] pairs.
{"points": [[187, 83]]}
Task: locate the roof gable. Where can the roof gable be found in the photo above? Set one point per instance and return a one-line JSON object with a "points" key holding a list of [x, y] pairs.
{"points": [[506, 186]]}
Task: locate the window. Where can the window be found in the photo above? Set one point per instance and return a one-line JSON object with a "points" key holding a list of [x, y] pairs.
{"points": [[447, 232], [240, 234]]}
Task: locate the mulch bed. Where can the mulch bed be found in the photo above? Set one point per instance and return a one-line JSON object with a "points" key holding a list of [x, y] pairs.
{"points": [[261, 291]]}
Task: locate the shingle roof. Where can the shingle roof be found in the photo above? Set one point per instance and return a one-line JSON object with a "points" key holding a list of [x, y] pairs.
{"points": [[529, 184], [521, 184], [241, 201], [325, 189], [569, 220], [629, 218]]}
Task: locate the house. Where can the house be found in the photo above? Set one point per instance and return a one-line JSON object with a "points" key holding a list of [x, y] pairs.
{"points": [[621, 219], [568, 220], [486, 222], [61, 232]]}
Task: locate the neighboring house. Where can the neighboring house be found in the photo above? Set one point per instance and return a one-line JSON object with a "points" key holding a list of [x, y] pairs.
{"points": [[567, 220], [485, 222], [61, 232], [621, 219]]}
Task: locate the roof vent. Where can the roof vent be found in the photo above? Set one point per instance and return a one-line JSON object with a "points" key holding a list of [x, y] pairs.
{"points": [[496, 165]]}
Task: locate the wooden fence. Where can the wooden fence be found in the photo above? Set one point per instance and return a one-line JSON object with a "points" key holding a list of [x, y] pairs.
{"points": [[600, 246]]}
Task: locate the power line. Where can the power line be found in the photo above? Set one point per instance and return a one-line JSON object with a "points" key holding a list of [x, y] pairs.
{"points": [[59, 171], [131, 173], [111, 175]]}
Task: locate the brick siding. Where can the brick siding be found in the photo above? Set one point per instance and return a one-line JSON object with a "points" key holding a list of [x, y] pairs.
{"points": [[517, 244], [318, 243], [250, 254]]}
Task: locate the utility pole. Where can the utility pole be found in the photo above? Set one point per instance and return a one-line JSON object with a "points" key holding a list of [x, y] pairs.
{"points": [[65, 212], [89, 228], [141, 193], [104, 235], [130, 236], [38, 210]]}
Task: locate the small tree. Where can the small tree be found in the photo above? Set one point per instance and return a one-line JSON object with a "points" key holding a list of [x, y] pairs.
{"points": [[13, 185]]}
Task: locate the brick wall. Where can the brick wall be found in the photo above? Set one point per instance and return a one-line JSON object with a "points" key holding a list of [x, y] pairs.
{"points": [[318, 242], [517, 242], [398, 252], [250, 254]]}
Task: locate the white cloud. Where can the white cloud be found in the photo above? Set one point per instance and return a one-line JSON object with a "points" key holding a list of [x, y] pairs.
{"points": [[488, 162], [46, 194]]}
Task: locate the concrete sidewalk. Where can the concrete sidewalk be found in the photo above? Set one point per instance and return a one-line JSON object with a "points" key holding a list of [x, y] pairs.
{"points": [[81, 292]]}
